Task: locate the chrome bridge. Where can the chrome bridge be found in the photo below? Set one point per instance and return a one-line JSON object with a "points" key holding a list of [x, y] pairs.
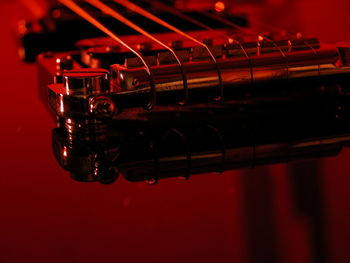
{"points": [[233, 100]]}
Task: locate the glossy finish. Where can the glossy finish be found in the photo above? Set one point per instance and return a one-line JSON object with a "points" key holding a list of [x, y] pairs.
{"points": [[267, 214], [235, 71]]}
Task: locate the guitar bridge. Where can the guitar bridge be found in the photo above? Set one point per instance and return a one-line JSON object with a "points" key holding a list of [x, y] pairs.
{"points": [[190, 102]]}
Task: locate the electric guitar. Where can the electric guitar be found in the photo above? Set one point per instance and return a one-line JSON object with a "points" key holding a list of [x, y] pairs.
{"points": [[150, 91]]}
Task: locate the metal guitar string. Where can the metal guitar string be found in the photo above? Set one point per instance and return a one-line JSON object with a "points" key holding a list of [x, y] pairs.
{"points": [[86, 16], [108, 10], [250, 32], [215, 130], [129, 5], [230, 23], [274, 28], [174, 11]]}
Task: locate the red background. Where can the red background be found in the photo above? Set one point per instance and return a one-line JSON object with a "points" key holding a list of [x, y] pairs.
{"points": [[241, 216]]}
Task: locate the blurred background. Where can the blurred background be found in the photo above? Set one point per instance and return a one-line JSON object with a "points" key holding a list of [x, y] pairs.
{"points": [[296, 212]]}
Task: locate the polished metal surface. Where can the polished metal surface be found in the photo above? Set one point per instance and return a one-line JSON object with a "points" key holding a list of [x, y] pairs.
{"points": [[101, 112], [235, 71], [86, 81], [294, 212], [158, 114]]}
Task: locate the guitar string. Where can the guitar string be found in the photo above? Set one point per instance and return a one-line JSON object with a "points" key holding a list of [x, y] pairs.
{"points": [[89, 18], [306, 43], [86, 16], [137, 9], [111, 12], [250, 32], [242, 29], [174, 11]]}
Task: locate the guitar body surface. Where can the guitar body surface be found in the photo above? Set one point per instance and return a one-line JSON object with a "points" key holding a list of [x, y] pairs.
{"points": [[213, 142]]}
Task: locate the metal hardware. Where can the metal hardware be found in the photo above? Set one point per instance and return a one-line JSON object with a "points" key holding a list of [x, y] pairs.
{"points": [[235, 71], [86, 82], [102, 107], [273, 109]]}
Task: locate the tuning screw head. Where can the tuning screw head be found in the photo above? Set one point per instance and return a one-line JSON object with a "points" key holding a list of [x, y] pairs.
{"points": [[102, 107]]}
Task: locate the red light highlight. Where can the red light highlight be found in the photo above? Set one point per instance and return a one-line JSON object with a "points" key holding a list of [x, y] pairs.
{"points": [[219, 6]]}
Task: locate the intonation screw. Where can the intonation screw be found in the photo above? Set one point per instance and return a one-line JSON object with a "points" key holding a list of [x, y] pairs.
{"points": [[102, 107]]}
